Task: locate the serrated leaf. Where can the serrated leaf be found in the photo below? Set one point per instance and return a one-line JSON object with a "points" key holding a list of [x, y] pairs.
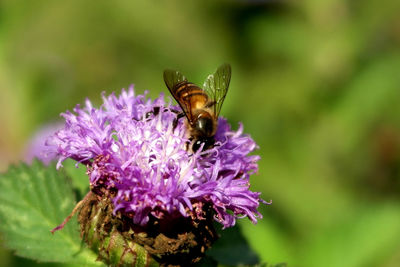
{"points": [[33, 200]]}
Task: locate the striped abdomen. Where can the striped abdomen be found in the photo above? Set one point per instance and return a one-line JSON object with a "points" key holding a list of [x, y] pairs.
{"points": [[193, 96]]}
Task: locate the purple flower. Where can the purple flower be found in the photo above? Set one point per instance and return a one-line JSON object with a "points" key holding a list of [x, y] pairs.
{"points": [[36, 147], [136, 157]]}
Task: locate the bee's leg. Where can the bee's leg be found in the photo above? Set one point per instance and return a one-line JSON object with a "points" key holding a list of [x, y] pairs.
{"points": [[174, 110], [216, 144], [175, 122], [189, 142], [155, 112]]}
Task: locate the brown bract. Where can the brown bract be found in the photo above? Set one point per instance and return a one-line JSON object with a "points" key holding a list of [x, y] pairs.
{"points": [[172, 241]]}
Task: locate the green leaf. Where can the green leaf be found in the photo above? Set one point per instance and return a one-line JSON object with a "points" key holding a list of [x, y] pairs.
{"points": [[274, 246], [77, 173], [207, 261], [233, 249], [33, 200]]}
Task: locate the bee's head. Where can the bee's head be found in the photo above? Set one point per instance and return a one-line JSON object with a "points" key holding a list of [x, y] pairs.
{"points": [[207, 141]]}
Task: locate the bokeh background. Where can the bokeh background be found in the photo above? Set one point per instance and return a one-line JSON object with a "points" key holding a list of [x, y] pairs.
{"points": [[316, 84]]}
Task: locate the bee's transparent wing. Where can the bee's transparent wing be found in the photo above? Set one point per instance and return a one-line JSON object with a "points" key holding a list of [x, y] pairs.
{"points": [[216, 87], [171, 79]]}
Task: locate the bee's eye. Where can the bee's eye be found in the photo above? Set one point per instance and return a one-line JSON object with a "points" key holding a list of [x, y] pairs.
{"points": [[196, 145]]}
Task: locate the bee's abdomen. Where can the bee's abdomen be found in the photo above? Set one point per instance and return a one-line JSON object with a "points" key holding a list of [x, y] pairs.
{"points": [[191, 93]]}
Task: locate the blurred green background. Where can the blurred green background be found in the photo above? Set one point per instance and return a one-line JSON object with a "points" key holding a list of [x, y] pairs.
{"points": [[316, 84]]}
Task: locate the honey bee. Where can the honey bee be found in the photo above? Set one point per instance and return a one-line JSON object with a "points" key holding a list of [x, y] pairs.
{"points": [[201, 106]]}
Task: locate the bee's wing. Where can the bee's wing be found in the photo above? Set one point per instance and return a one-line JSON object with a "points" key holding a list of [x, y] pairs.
{"points": [[171, 79], [216, 87]]}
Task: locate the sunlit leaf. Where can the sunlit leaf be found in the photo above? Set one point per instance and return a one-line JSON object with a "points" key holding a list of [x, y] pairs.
{"points": [[33, 200]]}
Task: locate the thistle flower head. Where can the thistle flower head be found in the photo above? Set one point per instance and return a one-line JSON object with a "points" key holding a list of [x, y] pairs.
{"points": [[136, 152], [36, 146]]}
